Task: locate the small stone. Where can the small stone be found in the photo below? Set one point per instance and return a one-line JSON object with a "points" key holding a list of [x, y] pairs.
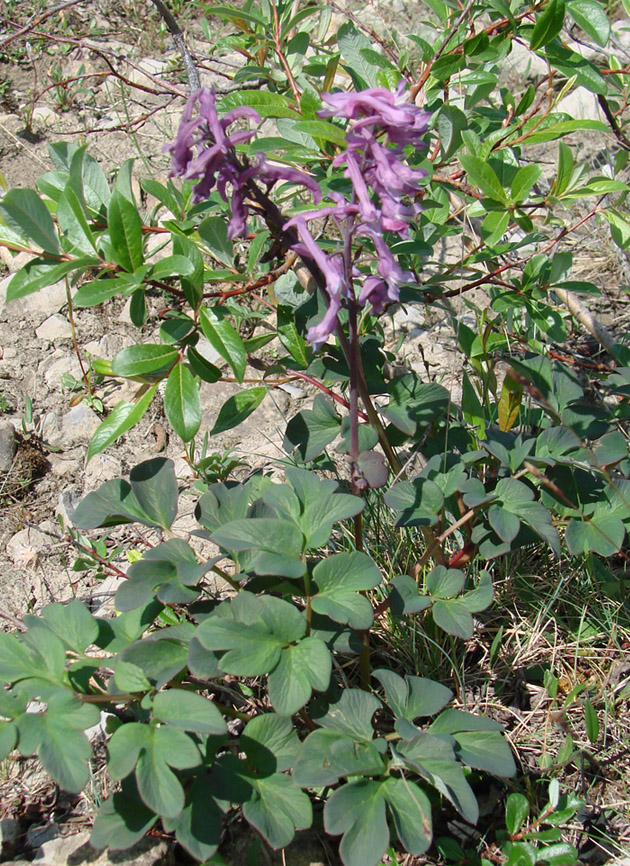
{"points": [[101, 468], [54, 374], [24, 547], [79, 424], [8, 353], [77, 850], [50, 432], [7, 446], [44, 116], [62, 466], [66, 505], [35, 308], [9, 834], [55, 329], [38, 834]]}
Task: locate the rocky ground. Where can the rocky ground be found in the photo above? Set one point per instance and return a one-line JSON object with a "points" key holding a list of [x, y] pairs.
{"points": [[43, 473]]}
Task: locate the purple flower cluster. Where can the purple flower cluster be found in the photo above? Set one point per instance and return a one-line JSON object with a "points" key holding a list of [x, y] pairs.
{"points": [[384, 187], [383, 192], [204, 151]]}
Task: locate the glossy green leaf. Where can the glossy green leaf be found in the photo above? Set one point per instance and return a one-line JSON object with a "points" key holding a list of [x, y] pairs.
{"points": [[213, 232], [591, 17], [225, 339], [237, 408], [145, 360], [123, 417], [182, 403], [516, 813], [548, 24], [481, 174], [25, 212], [125, 231]]}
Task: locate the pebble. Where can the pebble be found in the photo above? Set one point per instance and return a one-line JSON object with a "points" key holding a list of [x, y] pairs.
{"points": [[26, 541], [38, 834], [79, 424], [8, 445], [35, 308], [55, 329], [9, 833], [77, 850]]}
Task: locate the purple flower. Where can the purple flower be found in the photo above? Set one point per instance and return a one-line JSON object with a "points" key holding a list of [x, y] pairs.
{"points": [[374, 292], [208, 137], [403, 121]]}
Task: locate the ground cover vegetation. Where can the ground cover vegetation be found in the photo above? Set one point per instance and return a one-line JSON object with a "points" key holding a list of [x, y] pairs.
{"points": [[332, 678]]}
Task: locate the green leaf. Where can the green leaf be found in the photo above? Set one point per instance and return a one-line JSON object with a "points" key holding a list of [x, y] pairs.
{"points": [[301, 668], [202, 367], [253, 642], [122, 819], [188, 711], [591, 720], [277, 542], [158, 786], [453, 617], [412, 697], [350, 42], [339, 580], [327, 755], [171, 266], [548, 25], [481, 174], [411, 811], [150, 498], [591, 17], [322, 129], [444, 582], [213, 232], [603, 535], [516, 813], [421, 502], [352, 714], [145, 360], [73, 226], [123, 417], [125, 232], [310, 431], [57, 736], [290, 338], [73, 623], [224, 338], [24, 212], [278, 809], [524, 180], [266, 103], [357, 810], [182, 403], [322, 512], [485, 750], [414, 405], [433, 759], [39, 273], [237, 408], [97, 291], [198, 827], [271, 742], [450, 123]]}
